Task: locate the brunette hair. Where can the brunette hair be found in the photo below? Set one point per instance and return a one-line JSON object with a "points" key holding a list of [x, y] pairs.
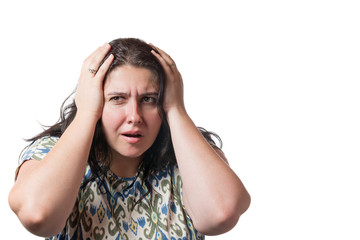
{"points": [[134, 52]]}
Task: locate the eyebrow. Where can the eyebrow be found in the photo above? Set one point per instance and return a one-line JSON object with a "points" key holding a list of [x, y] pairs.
{"points": [[149, 94], [126, 94], [117, 93]]}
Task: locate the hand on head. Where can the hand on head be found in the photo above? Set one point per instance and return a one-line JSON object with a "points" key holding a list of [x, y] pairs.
{"points": [[89, 94], [174, 90]]}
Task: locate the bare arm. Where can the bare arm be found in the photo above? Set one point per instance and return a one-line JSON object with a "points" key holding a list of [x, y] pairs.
{"points": [[213, 194], [45, 191]]}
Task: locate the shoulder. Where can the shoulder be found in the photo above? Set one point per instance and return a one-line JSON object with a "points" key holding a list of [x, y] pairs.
{"points": [[38, 148]]}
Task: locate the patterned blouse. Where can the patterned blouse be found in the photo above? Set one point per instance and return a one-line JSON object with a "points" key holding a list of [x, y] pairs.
{"points": [[112, 210]]}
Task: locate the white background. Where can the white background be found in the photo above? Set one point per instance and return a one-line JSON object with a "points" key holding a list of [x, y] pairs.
{"points": [[277, 80]]}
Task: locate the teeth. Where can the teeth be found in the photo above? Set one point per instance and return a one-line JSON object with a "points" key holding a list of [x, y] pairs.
{"points": [[133, 135]]}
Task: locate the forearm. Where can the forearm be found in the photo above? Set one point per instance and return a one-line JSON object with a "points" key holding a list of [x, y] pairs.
{"points": [[48, 188], [212, 191], [213, 195]]}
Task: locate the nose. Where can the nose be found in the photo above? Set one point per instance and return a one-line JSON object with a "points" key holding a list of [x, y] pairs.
{"points": [[134, 113]]}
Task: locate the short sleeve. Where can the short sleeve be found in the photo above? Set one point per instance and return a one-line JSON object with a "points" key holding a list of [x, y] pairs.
{"points": [[38, 149], [178, 191]]}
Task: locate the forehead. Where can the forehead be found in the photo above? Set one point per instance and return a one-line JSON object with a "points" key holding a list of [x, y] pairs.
{"points": [[128, 76]]}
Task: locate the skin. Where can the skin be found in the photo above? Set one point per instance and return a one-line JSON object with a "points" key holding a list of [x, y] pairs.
{"points": [[130, 95], [198, 163], [56, 179]]}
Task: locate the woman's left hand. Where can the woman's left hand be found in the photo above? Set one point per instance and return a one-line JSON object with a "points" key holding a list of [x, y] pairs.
{"points": [[174, 90], [198, 163]]}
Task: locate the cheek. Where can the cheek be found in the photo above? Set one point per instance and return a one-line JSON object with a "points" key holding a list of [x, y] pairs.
{"points": [[155, 122], [111, 119]]}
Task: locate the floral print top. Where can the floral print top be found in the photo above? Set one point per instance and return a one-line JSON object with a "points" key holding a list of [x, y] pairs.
{"points": [[117, 208]]}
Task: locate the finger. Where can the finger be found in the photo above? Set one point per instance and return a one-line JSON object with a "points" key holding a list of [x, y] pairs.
{"points": [[162, 61], [92, 63], [166, 56], [105, 67], [169, 69]]}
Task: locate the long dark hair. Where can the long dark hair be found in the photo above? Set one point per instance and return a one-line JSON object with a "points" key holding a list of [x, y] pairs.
{"points": [[135, 52]]}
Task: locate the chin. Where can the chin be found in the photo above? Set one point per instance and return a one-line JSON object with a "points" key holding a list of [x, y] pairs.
{"points": [[128, 154], [134, 155]]}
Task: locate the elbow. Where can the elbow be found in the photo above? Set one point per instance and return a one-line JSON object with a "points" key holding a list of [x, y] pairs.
{"points": [[244, 202], [39, 222], [33, 221], [228, 215], [36, 220]]}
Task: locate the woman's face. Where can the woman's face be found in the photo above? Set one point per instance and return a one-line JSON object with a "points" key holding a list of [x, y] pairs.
{"points": [[130, 117]]}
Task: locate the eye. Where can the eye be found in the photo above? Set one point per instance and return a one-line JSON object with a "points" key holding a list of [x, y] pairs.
{"points": [[149, 100], [116, 99]]}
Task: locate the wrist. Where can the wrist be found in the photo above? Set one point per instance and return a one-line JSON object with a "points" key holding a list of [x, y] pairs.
{"points": [[176, 113], [86, 119]]}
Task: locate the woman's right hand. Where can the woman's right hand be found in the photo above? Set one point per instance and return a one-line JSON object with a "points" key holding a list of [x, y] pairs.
{"points": [[56, 179], [89, 97]]}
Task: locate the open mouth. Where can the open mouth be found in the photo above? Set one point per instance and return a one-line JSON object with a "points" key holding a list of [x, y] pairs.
{"points": [[132, 135]]}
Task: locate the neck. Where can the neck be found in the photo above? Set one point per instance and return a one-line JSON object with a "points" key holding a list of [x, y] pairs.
{"points": [[124, 167]]}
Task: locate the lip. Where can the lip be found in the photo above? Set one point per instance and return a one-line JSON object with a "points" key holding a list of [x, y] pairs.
{"points": [[132, 136]]}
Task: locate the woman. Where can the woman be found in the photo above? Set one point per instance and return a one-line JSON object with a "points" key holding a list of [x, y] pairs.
{"points": [[150, 173]]}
